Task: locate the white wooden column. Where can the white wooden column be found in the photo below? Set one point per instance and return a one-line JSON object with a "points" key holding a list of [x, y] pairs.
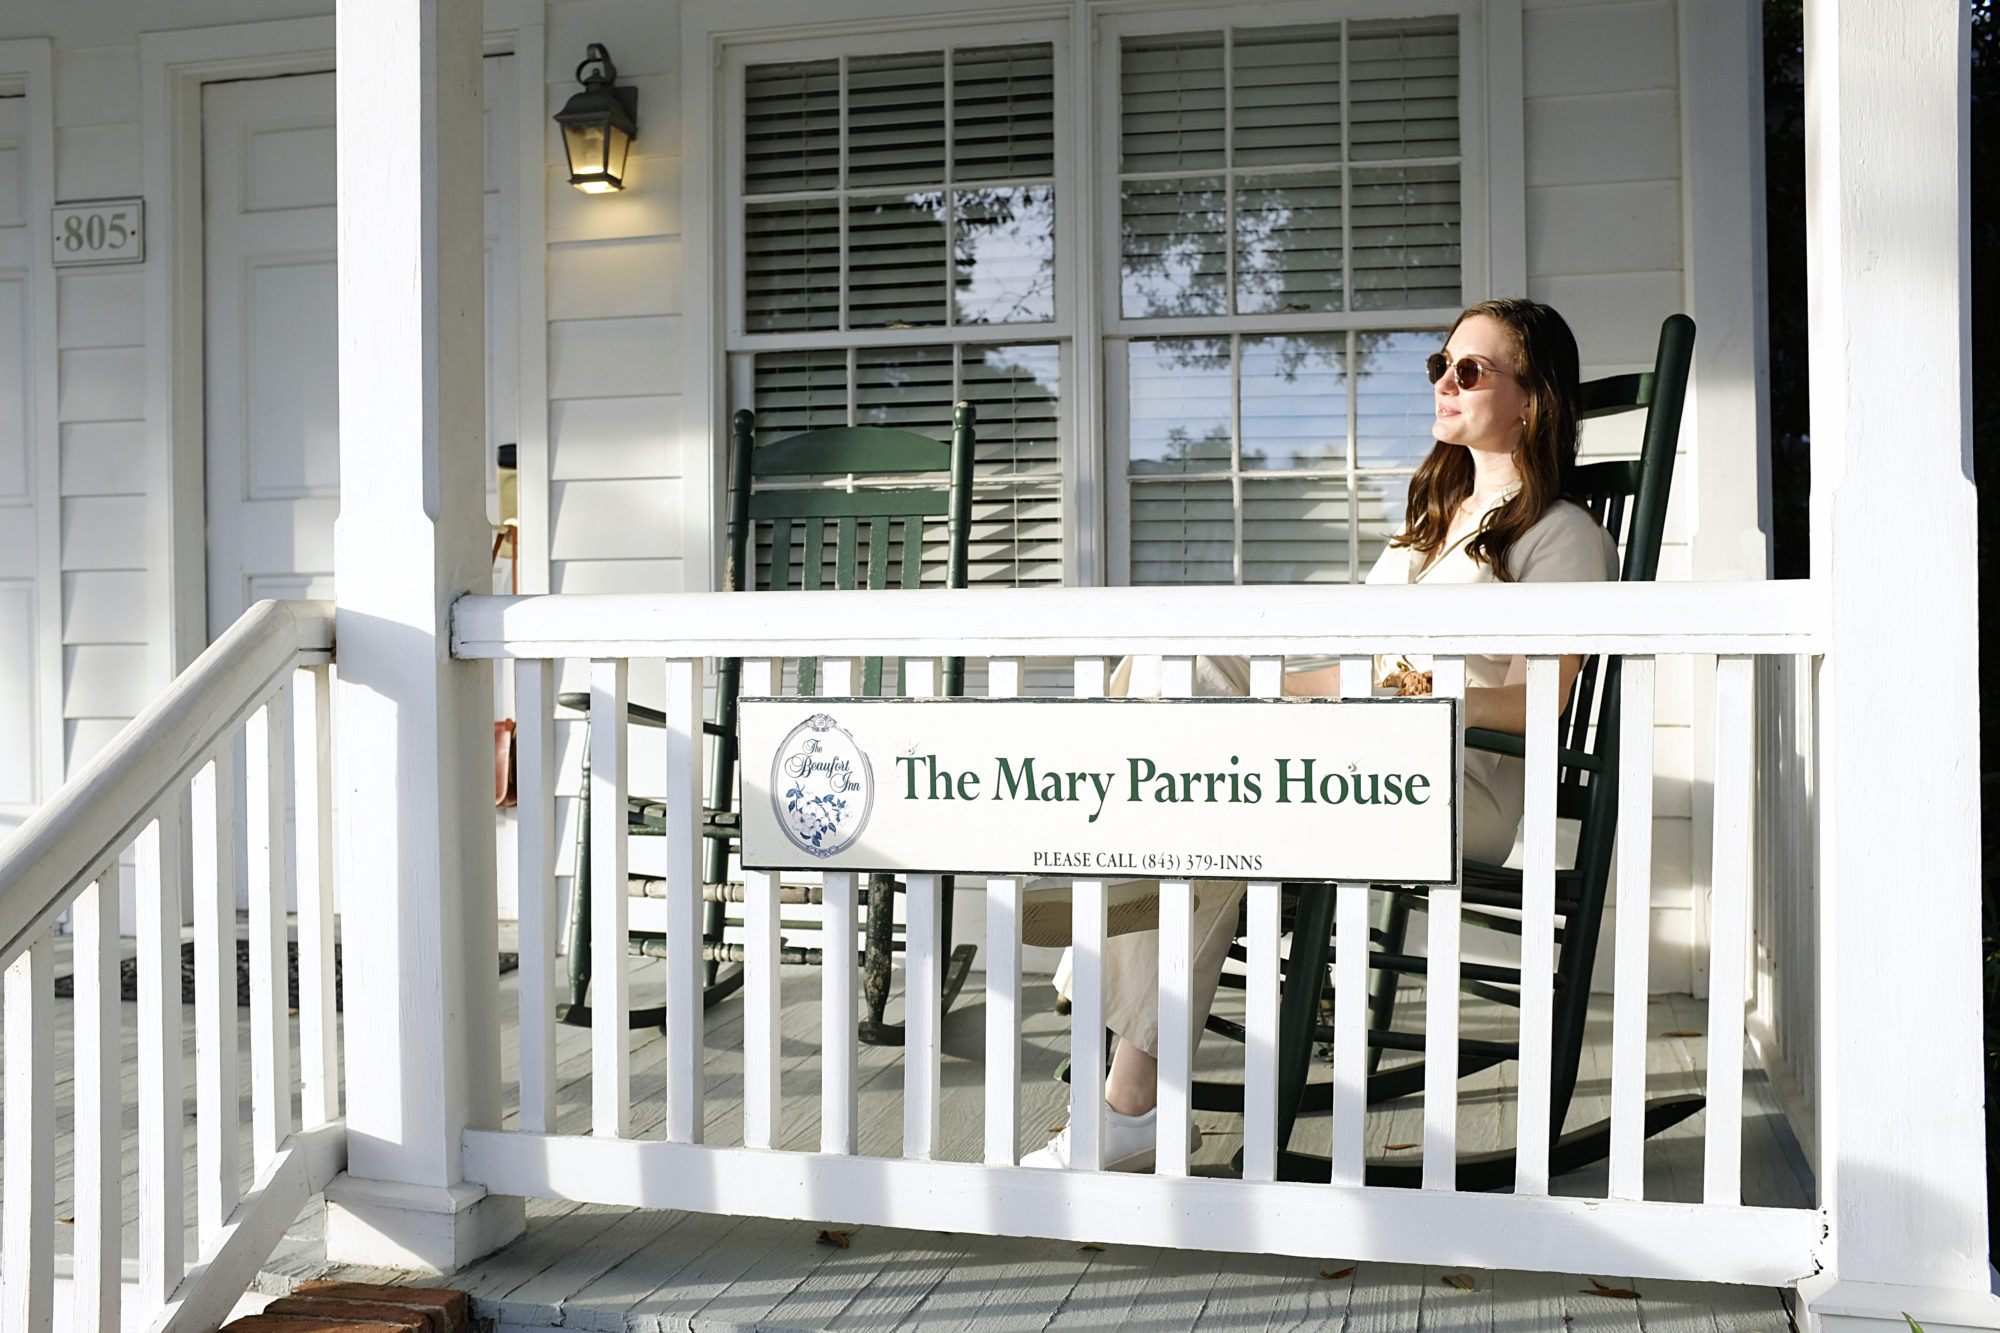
{"points": [[1899, 967], [414, 743]]}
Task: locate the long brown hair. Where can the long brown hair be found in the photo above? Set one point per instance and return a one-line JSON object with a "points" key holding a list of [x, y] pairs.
{"points": [[1548, 367]]}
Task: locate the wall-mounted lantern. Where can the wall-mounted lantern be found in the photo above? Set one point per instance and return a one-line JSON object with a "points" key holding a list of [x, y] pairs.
{"points": [[599, 125]]}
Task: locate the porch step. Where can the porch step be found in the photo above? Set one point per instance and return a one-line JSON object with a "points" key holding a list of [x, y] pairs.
{"points": [[360, 1307]]}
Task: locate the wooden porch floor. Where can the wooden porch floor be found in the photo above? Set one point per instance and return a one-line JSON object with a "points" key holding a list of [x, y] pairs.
{"points": [[619, 1270]]}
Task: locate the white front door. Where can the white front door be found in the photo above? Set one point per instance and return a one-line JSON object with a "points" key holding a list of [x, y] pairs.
{"points": [[272, 402]]}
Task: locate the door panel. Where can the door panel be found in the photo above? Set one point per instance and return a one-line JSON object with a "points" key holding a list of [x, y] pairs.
{"points": [[272, 403], [271, 291]]}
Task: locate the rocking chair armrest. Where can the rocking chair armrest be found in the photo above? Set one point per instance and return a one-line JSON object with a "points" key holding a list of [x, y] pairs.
{"points": [[1507, 743], [579, 700]]}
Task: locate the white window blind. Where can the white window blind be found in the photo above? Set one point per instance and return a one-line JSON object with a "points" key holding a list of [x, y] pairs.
{"points": [[910, 197], [1311, 174]]}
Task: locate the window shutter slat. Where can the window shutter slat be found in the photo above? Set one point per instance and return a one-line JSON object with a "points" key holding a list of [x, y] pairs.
{"points": [[1288, 243], [1171, 88], [895, 119], [1406, 237], [1295, 531], [1003, 112], [791, 126], [1286, 95]]}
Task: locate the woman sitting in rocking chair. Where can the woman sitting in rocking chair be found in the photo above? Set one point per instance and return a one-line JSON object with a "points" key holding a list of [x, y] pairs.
{"points": [[1485, 507]]}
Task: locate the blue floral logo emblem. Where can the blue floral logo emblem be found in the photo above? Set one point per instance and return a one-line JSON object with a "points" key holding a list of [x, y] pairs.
{"points": [[822, 787]]}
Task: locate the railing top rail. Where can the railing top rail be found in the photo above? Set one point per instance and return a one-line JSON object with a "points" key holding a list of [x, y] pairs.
{"points": [[1528, 618], [99, 811]]}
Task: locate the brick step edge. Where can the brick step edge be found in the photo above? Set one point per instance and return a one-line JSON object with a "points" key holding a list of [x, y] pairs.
{"points": [[360, 1307]]}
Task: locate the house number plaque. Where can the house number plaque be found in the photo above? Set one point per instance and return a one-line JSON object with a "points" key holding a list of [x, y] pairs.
{"points": [[106, 231]]}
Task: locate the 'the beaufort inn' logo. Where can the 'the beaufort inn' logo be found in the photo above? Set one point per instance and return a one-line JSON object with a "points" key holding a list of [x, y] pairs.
{"points": [[822, 788]]}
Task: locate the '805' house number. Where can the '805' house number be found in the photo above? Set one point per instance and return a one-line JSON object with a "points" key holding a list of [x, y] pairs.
{"points": [[107, 231]]}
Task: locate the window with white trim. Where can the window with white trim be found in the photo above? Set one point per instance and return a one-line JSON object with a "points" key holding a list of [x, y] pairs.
{"points": [[1272, 234]]}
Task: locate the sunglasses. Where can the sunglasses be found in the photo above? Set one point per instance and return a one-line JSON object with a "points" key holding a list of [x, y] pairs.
{"points": [[1465, 371]]}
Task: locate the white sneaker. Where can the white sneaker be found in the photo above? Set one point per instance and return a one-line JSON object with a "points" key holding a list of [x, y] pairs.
{"points": [[1130, 1144]]}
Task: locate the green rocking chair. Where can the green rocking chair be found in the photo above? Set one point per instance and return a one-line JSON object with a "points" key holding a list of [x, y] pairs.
{"points": [[1630, 500], [835, 509]]}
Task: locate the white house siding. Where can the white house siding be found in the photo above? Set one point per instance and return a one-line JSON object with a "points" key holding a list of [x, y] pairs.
{"points": [[613, 491]]}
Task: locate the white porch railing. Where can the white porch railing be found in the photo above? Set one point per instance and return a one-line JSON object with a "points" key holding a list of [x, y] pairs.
{"points": [[164, 790], [1723, 629]]}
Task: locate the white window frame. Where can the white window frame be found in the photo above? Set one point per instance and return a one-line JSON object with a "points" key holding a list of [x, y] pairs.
{"points": [[718, 37]]}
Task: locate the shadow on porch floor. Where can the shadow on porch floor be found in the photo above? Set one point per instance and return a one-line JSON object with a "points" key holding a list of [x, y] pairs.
{"points": [[624, 1271]]}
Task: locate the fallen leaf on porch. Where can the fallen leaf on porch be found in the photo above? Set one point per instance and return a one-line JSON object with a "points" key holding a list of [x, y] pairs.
{"points": [[1057, 1129], [1398, 1147], [1680, 1034], [1345, 1272], [1463, 1281], [1094, 1249], [840, 1238], [1617, 1293], [1568, 1318], [65, 1221]]}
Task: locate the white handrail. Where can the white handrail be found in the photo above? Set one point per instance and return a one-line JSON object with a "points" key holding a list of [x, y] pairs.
{"points": [[70, 840], [1523, 618]]}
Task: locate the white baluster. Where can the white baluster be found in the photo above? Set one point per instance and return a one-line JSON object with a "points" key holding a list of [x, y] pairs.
{"points": [[763, 1096], [1722, 1170], [1443, 913], [682, 796], [159, 867], [923, 943], [535, 864], [1350, 989], [1633, 930], [99, 1212], [312, 751], [1260, 996], [1538, 925], [270, 1036], [212, 846], [1003, 979], [28, 1122], [1178, 1020], [610, 981], [838, 1012], [1086, 985]]}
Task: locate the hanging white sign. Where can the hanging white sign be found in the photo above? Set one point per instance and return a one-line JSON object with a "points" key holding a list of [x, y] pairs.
{"points": [[1302, 789]]}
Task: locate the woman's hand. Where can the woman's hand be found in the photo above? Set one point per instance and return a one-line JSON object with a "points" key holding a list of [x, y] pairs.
{"points": [[1505, 707]]}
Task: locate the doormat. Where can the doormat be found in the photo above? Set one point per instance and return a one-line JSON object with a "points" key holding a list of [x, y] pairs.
{"points": [[128, 976]]}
